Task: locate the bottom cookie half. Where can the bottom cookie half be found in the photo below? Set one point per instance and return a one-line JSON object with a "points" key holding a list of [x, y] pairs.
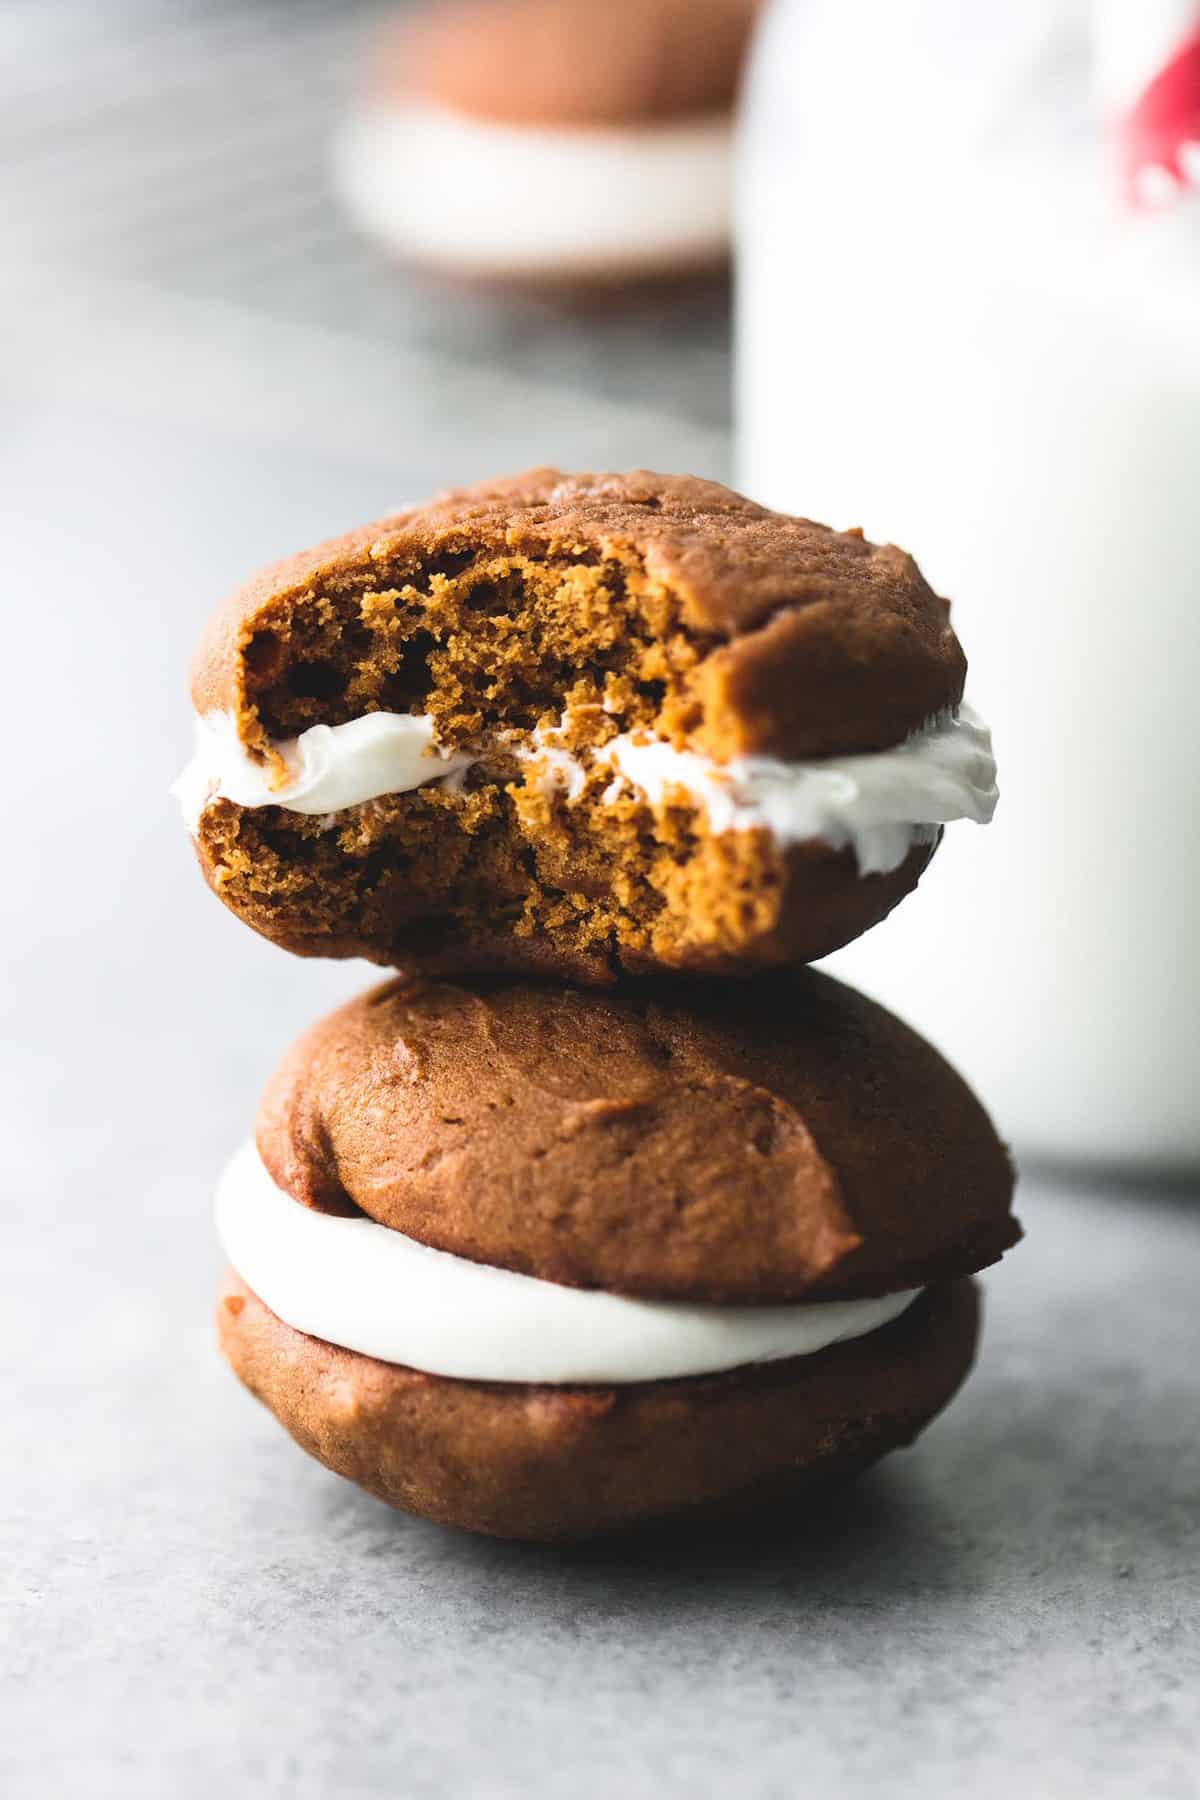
{"points": [[548, 1463]]}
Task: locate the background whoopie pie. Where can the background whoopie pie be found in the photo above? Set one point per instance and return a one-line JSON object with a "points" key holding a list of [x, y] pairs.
{"points": [[550, 144]]}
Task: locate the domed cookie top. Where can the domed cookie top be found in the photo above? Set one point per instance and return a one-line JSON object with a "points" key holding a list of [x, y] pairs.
{"points": [[576, 722], [764, 1142]]}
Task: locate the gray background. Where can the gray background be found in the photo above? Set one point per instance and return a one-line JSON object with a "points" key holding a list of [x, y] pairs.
{"points": [[200, 370]]}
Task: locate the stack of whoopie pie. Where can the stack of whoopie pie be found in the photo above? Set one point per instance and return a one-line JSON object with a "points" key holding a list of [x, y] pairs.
{"points": [[604, 1208]]}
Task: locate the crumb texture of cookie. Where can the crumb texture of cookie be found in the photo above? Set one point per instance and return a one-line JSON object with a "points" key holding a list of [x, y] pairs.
{"points": [[694, 613], [665, 727], [746, 1143], [555, 1464]]}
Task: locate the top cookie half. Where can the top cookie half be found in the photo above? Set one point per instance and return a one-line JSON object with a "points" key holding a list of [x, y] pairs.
{"points": [[580, 723]]}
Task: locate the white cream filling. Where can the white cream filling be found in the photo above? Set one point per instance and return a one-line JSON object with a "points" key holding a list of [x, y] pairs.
{"points": [[356, 1283], [483, 196], [879, 804], [331, 766]]}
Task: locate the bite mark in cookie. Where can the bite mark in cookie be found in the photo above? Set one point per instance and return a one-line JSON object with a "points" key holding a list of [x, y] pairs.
{"points": [[581, 723]]}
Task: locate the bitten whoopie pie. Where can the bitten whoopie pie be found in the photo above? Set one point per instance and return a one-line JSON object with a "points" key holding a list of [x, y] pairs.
{"points": [[546, 1262], [550, 141], [580, 724]]}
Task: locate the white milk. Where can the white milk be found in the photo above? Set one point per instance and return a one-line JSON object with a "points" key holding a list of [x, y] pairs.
{"points": [[953, 333]]}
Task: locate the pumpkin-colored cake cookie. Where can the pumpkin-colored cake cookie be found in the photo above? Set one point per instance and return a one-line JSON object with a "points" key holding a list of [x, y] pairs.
{"points": [[580, 724], [546, 1262]]}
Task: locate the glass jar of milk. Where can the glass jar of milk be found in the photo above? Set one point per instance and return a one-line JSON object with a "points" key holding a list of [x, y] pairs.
{"points": [[954, 331]]}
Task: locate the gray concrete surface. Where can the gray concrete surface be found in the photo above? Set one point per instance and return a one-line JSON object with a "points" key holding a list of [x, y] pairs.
{"points": [[1011, 1607], [193, 1607], [190, 1606]]}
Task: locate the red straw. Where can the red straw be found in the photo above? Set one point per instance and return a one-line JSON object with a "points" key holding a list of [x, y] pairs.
{"points": [[1160, 137]]}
